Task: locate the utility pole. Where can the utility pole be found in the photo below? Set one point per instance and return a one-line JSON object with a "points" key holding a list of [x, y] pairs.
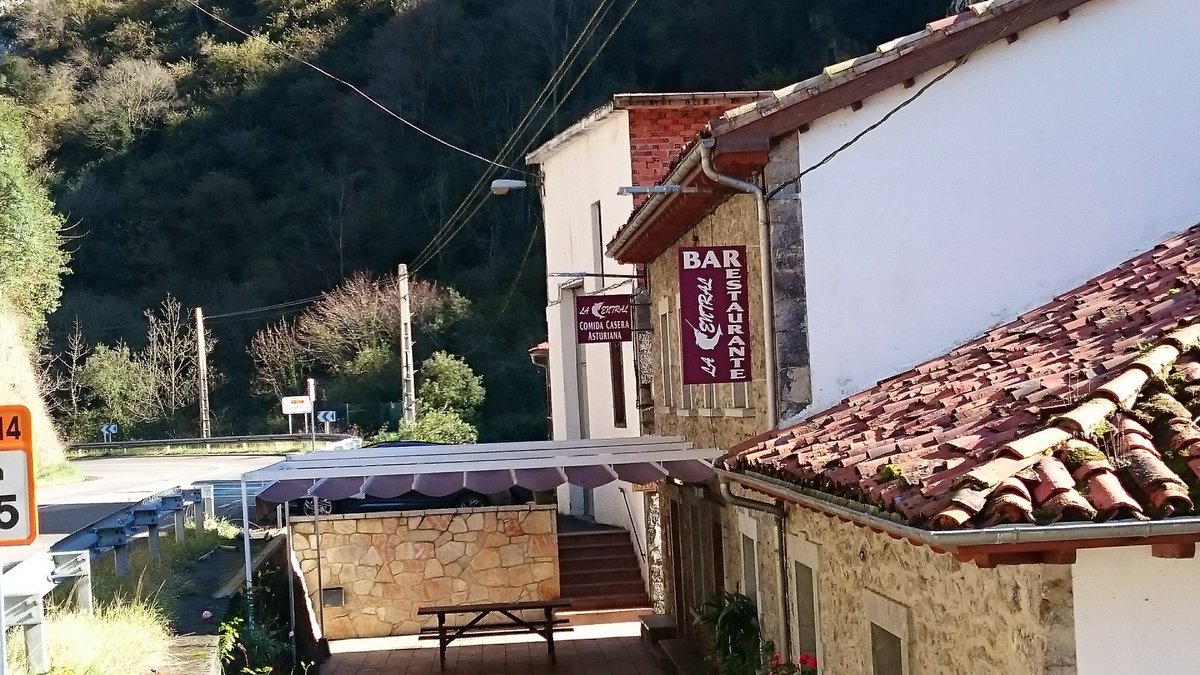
{"points": [[202, 375], [406, 354]]}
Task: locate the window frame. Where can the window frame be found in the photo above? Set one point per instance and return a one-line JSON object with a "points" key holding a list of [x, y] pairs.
{"points": [[748, 530], [804, 552], [892, 617]]}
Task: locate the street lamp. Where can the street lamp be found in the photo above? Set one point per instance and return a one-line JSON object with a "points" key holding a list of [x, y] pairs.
{"points": [[501, 186]]}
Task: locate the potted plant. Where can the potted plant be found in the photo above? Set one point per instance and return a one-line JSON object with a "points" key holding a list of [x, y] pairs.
{"points": [[732, 621]]}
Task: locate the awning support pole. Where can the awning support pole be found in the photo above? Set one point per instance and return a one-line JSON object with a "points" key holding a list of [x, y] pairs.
{"points": [[246, 545], [320, 583], [283, 516]]}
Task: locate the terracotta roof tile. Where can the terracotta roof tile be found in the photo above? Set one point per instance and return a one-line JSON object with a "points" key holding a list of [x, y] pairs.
{"points": [[1082, 408]]}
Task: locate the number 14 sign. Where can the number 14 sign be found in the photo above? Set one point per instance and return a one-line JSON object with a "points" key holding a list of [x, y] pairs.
{"points": [[18, 509]]}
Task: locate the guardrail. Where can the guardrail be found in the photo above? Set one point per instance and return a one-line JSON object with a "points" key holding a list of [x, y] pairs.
{"points": [[277, 443]]}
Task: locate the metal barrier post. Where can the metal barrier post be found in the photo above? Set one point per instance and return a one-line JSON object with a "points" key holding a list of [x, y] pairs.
{"points": [[210, 502], [180, 518], [35, 639]]}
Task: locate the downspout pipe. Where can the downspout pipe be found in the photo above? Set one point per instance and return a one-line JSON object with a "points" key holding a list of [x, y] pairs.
{"points": [[765, 266], [780, 512]]}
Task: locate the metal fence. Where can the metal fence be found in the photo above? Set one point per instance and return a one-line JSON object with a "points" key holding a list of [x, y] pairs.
{"points": [[277, 443]]}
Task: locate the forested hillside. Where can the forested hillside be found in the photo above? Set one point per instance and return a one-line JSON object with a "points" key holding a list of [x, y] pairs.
{"points": [[193, 161]]}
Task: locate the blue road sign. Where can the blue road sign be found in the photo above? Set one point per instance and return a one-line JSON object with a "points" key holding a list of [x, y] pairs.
{"points": [[327, 416], [109, 429]]}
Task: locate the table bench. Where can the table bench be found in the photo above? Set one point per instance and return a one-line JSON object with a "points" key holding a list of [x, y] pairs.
{"points": [[544, 627]]}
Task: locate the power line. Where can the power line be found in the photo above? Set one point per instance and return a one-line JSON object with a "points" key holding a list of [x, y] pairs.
{"points": [[358, 91], [574, 84], [482, 339], [585, 34], [902, 105], [256, 310]]}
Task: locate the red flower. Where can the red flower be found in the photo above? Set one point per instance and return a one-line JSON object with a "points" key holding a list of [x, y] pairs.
{"points": [[776, 660]]}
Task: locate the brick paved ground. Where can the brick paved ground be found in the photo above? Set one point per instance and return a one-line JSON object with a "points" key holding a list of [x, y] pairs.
{"points": [[590, 650]]}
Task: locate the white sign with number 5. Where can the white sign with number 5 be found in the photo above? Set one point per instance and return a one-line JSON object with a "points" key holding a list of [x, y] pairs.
{"points": [[14, 496]]}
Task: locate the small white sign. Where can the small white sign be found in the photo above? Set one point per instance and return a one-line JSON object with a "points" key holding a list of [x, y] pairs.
{"points": [[297, 405], [16, 501]]}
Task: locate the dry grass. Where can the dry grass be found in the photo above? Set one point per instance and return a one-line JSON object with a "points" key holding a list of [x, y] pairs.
{"points": [[119, 639]]}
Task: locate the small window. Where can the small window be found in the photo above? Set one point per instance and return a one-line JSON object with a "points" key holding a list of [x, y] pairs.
{"points": [[616, 360], [889, 635], [748, 528], [664, 356], [740, 394], [708, 396], [887, 653], [687, 397], [806, 609], [718, 543], [598, 233], [749, 568]]}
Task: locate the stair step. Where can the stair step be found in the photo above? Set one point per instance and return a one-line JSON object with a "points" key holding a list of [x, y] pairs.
{"points": [[595, 551], [602, 588], [624, 601], [572, 565], [570, 539], [573, 577]]}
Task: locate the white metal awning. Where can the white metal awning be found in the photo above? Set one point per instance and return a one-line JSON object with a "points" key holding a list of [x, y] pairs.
{"points": [[487, 468]]}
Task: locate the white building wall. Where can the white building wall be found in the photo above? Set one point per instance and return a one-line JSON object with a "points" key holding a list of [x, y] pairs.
{"points": [[1134, 613], [1030, 169], [583, 170]]}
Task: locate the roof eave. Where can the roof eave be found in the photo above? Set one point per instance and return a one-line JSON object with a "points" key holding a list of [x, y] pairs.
{"points": [[1001, 545], [540, 154], [808, 101]]}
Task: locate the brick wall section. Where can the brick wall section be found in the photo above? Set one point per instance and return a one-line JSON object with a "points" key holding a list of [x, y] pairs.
{"points": [[391, 564], [658, 135]]}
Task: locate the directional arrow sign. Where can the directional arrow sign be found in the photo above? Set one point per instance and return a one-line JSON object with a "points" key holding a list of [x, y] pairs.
{"points": [[327, 416], [18, 513], [109, 429]]}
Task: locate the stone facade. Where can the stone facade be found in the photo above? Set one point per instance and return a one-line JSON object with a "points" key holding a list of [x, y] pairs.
{"points": [[389, 565], [721, 423], [1010, 620]]}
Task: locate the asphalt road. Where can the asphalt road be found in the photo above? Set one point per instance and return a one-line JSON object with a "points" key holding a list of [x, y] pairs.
{"points": [[113, 483]]}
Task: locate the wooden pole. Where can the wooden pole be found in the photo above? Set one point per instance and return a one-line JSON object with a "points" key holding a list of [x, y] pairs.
{"points": [[202, 375], [406, 348]]}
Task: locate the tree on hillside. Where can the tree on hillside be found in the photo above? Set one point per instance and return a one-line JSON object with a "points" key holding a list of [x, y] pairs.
{"points": [[131, 96], [449, 385], [32, 261], [348, 338], [143, 389]]}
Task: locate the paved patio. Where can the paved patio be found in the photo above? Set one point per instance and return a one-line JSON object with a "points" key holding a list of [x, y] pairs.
{"points": [[603, 649]]}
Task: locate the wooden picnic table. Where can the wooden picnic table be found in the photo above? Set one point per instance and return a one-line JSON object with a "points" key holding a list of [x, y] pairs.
{"points": [[544, 627]]}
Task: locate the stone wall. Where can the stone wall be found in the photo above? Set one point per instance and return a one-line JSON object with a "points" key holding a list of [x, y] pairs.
{"points": [[735, 222], [391, 564], [1011, 620]]}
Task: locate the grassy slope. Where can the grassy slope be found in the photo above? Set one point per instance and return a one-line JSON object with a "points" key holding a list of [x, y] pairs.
{"points": [[18, 385]]}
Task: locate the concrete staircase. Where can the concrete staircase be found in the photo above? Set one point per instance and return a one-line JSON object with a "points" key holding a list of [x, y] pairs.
{"points": [[599, 570]]}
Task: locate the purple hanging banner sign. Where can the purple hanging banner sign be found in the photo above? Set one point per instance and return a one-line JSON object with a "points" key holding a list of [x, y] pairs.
{"points": [[714, 314]]}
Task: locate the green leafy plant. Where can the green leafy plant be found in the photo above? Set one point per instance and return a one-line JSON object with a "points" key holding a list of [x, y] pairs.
{"points": [[732, 620]]}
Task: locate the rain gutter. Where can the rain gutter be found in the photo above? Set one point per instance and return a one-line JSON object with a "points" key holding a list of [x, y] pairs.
{"points": [[955, 539]]}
